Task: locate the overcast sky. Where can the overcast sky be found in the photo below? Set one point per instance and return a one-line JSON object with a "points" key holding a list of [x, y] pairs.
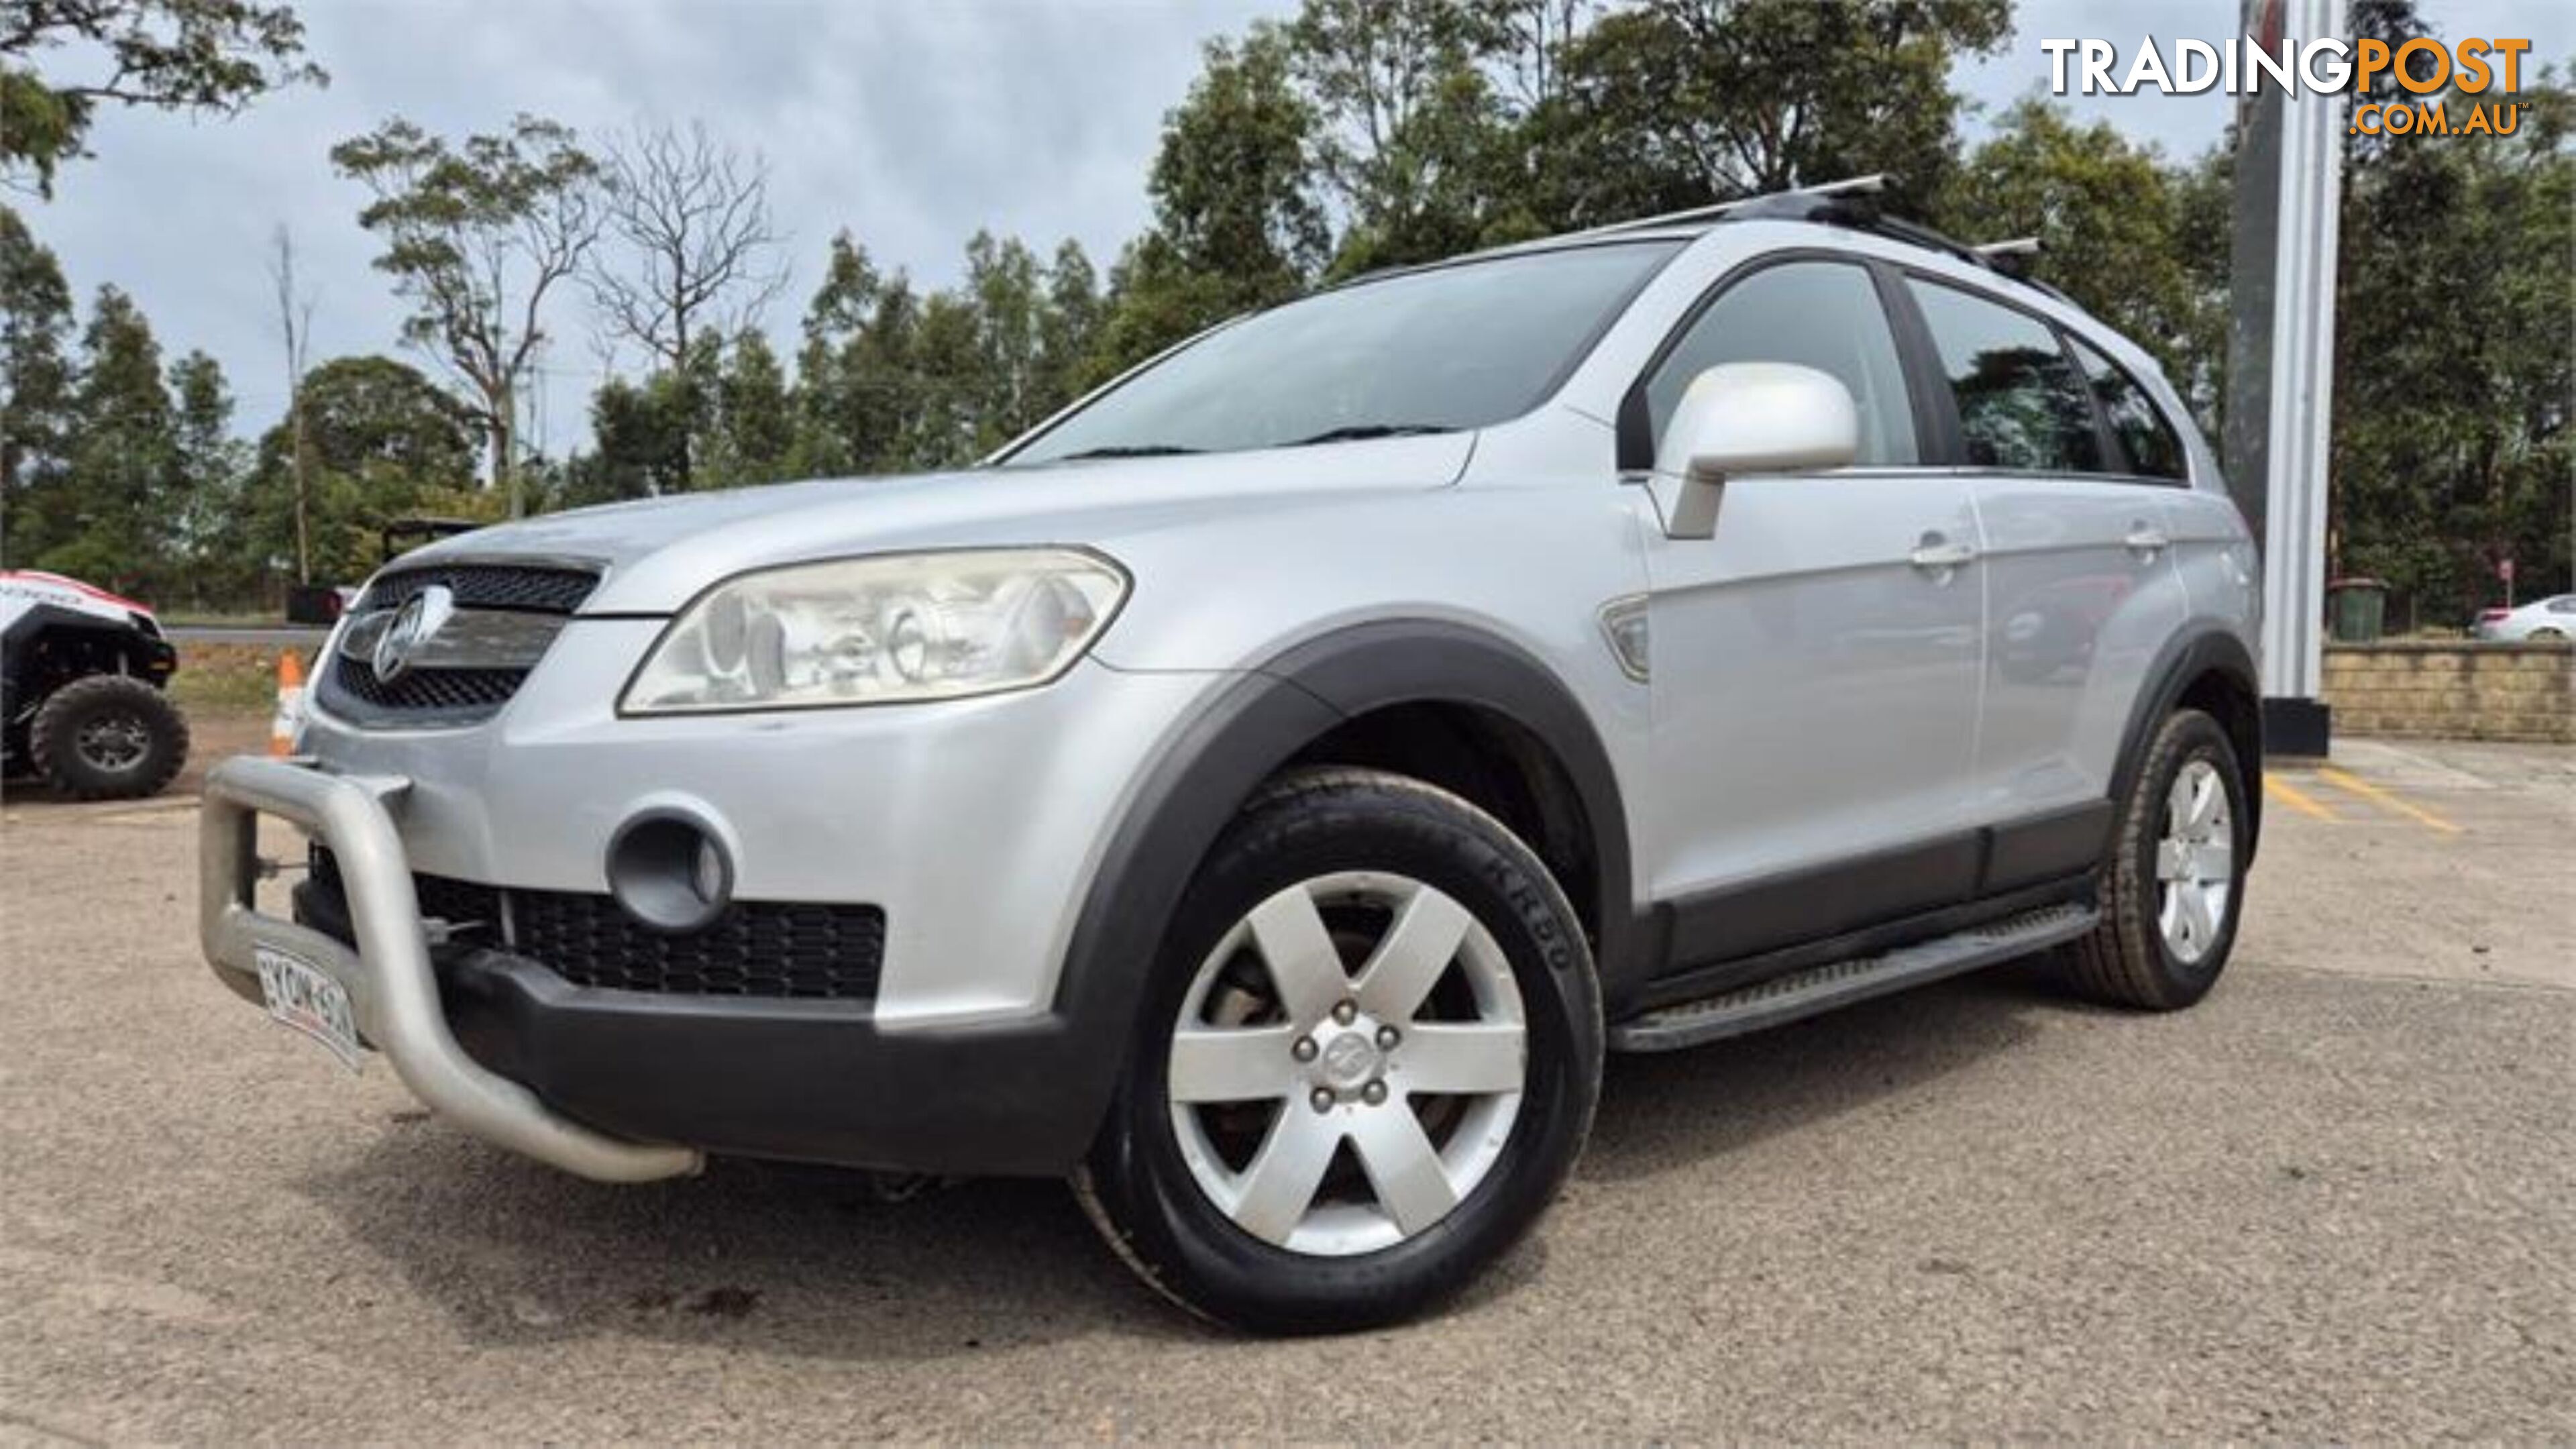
{"points": [[910, 122]]}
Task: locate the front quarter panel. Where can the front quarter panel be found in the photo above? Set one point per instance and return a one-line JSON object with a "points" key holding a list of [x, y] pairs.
{"points": [[1534, 566], [1529, 567]]}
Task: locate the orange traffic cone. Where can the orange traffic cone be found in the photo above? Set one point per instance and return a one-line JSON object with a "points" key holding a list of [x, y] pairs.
{"points": [[290, 704]]}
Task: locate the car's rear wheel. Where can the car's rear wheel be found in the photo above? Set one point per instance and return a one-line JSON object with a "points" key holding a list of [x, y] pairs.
{"points": [[1369, 1055], [2174, 885], [108, 737]]}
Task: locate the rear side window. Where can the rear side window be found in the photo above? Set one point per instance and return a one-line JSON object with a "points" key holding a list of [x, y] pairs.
{"points": [[1823, 315], [2021, 406], [2154, 450]]}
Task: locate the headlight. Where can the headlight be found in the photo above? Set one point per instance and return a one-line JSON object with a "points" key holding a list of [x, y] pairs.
{"points": [[880, 631]]}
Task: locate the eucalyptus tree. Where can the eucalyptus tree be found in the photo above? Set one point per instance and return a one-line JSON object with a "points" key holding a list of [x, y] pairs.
{"points": [[477, 236], [62, 60]]}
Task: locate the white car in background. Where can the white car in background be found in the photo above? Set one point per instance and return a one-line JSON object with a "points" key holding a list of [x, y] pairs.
{"points": [[2541, 620]]}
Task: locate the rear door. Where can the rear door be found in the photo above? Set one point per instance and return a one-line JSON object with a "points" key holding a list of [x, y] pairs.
{"points": [[2070, 480], [1815, 662]]}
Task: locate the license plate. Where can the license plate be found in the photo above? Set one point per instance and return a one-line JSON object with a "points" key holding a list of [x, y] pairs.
{"points": [[302, 996]]}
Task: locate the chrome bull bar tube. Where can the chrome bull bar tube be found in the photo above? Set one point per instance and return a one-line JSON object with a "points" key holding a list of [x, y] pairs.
{"points": [[392, 990]]}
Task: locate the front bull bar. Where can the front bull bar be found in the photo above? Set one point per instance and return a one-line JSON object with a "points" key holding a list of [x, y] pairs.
{"points": [[393, 993]]}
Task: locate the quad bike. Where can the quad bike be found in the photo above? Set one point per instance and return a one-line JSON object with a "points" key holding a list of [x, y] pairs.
{"points": [[81, 702]]}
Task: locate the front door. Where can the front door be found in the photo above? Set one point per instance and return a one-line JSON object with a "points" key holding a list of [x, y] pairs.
{"points": [[1815, 661]]}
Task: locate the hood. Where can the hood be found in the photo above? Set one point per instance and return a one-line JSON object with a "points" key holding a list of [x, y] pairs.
{"points": [[657, 554]]}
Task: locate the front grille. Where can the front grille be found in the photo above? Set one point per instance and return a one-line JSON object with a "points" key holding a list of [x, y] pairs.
{"points": [[488, 586], [455, 692], [780, 949], [442, 690], [756, 948], [463, 905], [460, 903]]}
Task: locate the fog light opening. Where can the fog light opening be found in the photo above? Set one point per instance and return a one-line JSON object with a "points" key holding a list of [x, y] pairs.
{"points": [[670, 872]]}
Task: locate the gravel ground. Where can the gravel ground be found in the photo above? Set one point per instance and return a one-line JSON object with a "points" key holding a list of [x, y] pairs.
{"points": [[2333, 1203]]}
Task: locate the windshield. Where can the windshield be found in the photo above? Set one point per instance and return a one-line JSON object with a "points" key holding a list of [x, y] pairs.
{"points": [[1452, 347]]}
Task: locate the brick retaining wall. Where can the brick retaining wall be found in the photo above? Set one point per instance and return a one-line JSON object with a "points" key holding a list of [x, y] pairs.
{"points": [[2453, 690]]}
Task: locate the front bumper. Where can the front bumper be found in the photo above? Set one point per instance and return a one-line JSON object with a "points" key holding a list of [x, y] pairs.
{"points": [[392, 988], [974, 824], [598, 1081]]}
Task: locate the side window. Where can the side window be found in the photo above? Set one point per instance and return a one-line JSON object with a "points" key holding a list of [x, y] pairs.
{"points": [[2154, 450], [2021, 405], [1823, 315]]}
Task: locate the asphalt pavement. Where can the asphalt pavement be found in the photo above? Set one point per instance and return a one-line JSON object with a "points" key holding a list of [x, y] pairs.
{"points": [[256, 636], [2335, 1202]]}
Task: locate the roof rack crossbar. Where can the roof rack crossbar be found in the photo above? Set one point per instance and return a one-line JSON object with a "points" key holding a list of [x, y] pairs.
{"points": [[2013, 258], [1870, 185]]}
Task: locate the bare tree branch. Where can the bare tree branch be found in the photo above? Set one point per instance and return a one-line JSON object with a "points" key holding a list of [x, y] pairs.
{"points": [[295, 329], [693, 216]]}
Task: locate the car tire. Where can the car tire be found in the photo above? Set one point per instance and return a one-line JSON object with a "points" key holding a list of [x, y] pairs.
{"points": [[1409, 1191], [108, 737], [2173, 888]]}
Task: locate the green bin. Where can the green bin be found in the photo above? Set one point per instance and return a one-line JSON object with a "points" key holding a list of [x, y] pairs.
{"points": [[2356, 609]]}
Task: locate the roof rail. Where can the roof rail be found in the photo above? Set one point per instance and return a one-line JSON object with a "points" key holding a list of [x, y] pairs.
{"points": [[1851, 202], [2009, 259], [1870, 185]]}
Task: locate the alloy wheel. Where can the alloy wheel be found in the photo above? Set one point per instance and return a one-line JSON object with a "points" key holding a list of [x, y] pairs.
{"points": [[1348, 1063], [2195, 861]]}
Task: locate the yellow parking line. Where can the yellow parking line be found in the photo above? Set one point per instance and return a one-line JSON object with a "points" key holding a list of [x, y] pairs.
{"points": [[2296, 798], [2352, 784]]}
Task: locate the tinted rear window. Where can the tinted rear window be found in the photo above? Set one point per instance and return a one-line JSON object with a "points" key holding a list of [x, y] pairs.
{"points": [[2154, 449]]}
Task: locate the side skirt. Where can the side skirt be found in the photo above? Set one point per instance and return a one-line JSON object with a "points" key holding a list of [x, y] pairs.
{"points": [[1718, 978], [1817, 989]]}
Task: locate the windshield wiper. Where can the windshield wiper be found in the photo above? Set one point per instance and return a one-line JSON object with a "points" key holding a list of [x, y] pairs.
{"points": [[1130, 450], [1357, 432]]}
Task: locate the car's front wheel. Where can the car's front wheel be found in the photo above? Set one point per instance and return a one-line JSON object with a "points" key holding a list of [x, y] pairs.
{"points": [[1368, 1057]]}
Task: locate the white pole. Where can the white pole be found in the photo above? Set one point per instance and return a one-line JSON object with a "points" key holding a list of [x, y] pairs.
{"points": [[2299, 429]]}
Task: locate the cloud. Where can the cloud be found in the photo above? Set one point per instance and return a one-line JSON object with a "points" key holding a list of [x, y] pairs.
{"points": [[911, 124]]}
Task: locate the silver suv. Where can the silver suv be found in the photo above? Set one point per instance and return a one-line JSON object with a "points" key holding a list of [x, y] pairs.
{"points": [[1264, 792]]}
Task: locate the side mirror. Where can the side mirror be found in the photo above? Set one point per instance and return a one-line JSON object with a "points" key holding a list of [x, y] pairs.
{"points": [[1749, 417]]}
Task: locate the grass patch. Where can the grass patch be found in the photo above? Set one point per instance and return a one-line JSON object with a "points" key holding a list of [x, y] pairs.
{"points": [[220, 619], [226, 679]]}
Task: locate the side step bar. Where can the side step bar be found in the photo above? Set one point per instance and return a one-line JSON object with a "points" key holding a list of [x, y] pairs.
{"points": [[1822, 988]]}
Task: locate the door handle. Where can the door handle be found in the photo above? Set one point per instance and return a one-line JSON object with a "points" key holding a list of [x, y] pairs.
{"points": [[1936, 554], [2147, 540]]}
